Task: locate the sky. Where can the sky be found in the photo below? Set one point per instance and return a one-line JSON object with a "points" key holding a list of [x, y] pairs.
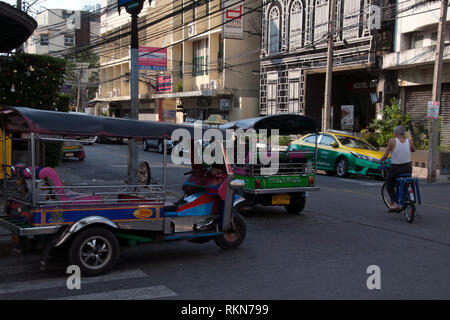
{"points": [[58, 4]]}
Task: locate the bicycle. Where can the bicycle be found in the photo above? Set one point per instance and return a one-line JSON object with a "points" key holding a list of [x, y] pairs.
{"points": [[407, 194]]}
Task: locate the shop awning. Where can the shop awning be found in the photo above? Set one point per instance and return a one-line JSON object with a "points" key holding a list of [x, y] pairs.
{"points": [[15, 27], [190, 94]]}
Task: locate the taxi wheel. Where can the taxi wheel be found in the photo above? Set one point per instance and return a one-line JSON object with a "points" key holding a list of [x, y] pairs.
{"points": [[297, 204], [342, 167], [95, 250], [233, 238]]}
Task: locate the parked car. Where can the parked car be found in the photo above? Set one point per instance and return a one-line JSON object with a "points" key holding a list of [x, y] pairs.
{"points": [[111, 140], [158, 144], [341, 154]]}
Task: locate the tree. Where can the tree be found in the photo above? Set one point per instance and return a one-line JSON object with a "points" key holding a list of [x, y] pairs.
{"points": [[34, 81], [392, 117], [75, 57]]}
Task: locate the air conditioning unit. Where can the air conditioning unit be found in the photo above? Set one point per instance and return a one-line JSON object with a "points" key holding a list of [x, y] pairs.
{"points": [[191, 29], [213, 84]]}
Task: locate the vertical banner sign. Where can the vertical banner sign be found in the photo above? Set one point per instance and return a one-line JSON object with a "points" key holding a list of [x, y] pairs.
{"points": [[233, 20], [151, 58], [433, 110], [347, 117], [164, 84]]}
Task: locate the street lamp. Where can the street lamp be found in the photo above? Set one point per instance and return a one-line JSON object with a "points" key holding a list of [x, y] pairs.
{"points": [[133, 7]]}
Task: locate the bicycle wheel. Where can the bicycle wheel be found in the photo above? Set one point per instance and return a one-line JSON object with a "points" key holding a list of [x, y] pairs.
{"points": [[385, 196], [409, 212]]}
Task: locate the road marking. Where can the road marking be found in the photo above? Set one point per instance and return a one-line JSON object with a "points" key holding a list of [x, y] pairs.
{"points": [[364, 183], [379, 196], [15, 287], [146, 293]]}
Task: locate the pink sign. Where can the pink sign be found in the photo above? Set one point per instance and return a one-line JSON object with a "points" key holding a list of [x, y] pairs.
{"points": [[151, 58]]}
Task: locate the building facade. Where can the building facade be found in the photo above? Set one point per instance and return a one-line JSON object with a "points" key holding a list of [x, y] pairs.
{"points": [[215, 74], [205, 74], [60, 30], [413, 61], [294, 57]]}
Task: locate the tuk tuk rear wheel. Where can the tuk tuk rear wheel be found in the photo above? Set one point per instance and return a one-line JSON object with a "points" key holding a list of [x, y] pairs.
{"points": [[95, 250], [297, 204], [233, 238]]}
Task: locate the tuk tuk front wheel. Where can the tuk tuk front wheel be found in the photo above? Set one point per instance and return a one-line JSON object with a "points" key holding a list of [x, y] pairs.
{"points": [[233, 238], [95, 250], [297, 203]]}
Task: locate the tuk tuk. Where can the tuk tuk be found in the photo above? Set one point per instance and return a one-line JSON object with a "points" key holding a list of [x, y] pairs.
{"points": [[89, 221], [295, 177], [74, 149]]}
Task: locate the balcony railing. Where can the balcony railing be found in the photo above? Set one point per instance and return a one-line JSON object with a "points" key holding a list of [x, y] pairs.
{"points": [[411, 57]]}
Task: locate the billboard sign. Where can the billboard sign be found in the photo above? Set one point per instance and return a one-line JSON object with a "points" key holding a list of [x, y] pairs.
{"points": [[347, 117], [233, 20], [164, 84], [151, 58]]}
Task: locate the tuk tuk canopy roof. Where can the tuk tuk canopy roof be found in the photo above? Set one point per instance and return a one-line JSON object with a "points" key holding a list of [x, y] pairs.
{"points": [[78, 124], [285, 123]]}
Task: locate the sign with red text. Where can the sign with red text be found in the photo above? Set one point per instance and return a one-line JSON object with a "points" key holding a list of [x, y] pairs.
{"points": [[151, 58], [233, 19], [433, 110]]}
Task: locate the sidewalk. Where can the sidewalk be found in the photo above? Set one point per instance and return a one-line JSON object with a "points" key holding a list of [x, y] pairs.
{"points": [[421, 174]]}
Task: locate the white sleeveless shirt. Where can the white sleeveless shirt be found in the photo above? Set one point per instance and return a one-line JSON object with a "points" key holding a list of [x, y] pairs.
{"points": [[401, 153]]}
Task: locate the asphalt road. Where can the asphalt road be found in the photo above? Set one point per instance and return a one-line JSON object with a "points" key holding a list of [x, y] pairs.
{"points": [[322, 253]]}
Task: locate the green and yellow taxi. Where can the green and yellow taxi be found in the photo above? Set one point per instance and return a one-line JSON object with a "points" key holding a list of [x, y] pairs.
{"points": [[341, 154]]}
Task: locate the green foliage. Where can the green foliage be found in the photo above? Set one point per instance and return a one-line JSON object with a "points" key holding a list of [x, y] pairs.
{"points": [[179, 87], [370, 137], [392, 116], [420, 134], [30, 80], [34, 81], [85, 56], [284, 140]]}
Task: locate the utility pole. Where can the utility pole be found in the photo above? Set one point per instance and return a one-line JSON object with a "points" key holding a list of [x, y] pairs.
{"points": [[436, 95], [133, 7], [19, 49], [78, 107], [329, 75]]}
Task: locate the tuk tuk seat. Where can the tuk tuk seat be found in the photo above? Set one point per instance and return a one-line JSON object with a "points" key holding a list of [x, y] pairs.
{"points": [[51, 176]]}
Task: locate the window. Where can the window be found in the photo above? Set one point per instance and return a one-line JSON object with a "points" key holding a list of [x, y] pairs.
{"points": [[44, 39], [355, 143], [69, 40], [271, 98], [434, 36], [295, 25], [66, 14], [327, 140], [274, 30], [220, 61], [311, 139], [293, 97], [417, 42], [321, 20], [200, 60]]}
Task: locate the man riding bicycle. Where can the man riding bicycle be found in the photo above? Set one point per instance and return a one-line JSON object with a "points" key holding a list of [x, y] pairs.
{"points": [[400, 149]]}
